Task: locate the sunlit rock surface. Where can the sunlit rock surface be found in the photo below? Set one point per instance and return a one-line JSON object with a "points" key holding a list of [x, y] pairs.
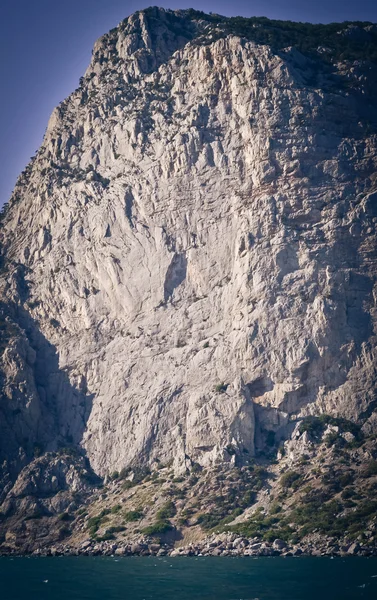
{"points": [[189, 261]]}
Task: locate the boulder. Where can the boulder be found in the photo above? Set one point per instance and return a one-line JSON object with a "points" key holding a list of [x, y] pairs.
{"points": [[354, 548]]}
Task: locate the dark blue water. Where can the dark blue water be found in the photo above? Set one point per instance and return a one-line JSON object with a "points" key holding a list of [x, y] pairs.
{"points": [[83, 578]]}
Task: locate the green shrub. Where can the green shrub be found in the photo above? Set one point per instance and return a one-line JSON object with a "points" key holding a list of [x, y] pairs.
{"points": [[332, 480], [139, 474], [209, 521], [196, 468], [115, 529], [221, 387], [158, 528], [64, 532], [348, 503], [217, 520], [94, 523], [259, 471], [290, 479], [333, 438], [167, 511], [345, 479], [64, 517], [270, 535], [347, 493], [315, 426], [275, 508], [176, 492], [370, 469], [82, 511], [248, 499], [127, 485], [256, 526], [133, 515], [105, 537]]}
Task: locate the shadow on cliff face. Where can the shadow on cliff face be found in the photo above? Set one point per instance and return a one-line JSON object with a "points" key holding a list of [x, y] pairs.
{"points": [[40, 408], [176, 274]]}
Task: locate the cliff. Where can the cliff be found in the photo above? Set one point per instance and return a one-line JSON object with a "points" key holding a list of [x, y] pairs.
{"points": [[189, 261]]}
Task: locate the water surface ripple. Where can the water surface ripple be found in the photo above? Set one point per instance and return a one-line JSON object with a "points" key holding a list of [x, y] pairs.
{"points": [[150, 578]]}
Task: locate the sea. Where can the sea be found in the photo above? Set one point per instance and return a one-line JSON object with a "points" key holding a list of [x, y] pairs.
{"points": [[200, 578]]}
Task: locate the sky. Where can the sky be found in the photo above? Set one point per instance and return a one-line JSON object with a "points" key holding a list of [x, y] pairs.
{"points": [[45, 46]]}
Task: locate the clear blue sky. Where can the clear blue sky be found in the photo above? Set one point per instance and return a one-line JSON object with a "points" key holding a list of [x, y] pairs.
{"points": [[45, 46]]}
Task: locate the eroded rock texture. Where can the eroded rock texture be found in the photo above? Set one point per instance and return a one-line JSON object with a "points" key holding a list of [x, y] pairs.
{"points": [[189, 261]]}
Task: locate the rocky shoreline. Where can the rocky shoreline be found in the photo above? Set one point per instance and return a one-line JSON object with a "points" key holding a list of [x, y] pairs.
{"points": [[214, 545]]}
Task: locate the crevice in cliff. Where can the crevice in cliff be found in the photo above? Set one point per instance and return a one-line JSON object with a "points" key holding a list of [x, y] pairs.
{"points": [[175, 275], [129, 202]]}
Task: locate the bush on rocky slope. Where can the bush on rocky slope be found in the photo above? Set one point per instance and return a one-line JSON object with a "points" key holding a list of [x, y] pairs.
{"points": [[351, 40]]}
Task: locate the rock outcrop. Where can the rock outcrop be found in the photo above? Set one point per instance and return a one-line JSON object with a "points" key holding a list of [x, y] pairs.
{"points": [[189, 261]]}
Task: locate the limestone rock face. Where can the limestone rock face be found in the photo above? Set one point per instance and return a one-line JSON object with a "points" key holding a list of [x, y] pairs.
{"points": [[189, 261]]}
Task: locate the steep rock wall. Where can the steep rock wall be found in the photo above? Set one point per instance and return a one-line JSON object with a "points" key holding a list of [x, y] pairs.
{"points": [[190, 257]]}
